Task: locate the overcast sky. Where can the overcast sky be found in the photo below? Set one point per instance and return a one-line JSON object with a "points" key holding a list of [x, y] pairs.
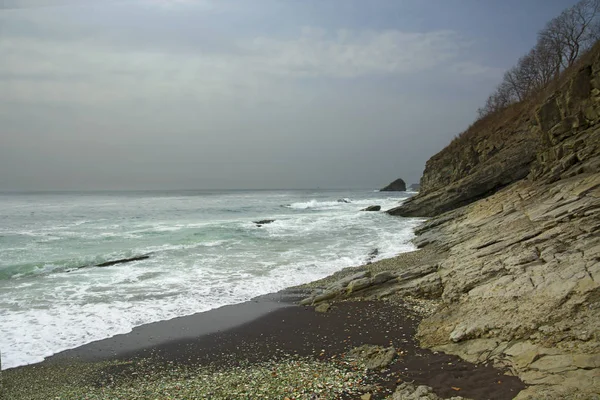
{"points": [[160, 94]]}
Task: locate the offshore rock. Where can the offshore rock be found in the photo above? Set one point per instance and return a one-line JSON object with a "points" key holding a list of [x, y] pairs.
{"points": [[264, 222], [372, 208], [397, 186]]}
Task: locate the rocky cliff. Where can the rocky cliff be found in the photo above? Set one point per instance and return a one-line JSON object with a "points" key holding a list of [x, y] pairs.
{"points": [[520, 279], [492, 154], [520, 284], [530, 139], [513, 252]]}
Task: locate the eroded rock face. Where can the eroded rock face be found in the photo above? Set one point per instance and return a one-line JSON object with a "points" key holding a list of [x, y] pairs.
{"points": [[521, 284], [420, 280]]}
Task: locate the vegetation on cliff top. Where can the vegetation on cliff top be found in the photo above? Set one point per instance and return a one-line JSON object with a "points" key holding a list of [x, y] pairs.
{"points": [[562, 42], [505, 129], [559, 45]]}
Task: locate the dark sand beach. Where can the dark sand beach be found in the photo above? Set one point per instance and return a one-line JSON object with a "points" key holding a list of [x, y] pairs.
{"points": [[271, 329]]}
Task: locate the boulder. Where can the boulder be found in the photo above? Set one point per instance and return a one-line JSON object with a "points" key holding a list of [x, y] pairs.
{"points": [[343, 282], [325, 296], [307, 301], [372, 208], [323, 307], [408, 391], [397, 186], [371, 356], [383, 277], [358, 284]]}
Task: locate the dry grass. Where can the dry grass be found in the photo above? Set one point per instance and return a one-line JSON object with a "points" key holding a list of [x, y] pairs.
{"points": [[505, 121]]}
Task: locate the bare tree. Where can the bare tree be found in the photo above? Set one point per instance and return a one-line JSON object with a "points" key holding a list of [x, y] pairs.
{"points": [[514, 79], [500, 99], [547, 62], [573, 31], [559, 45]]}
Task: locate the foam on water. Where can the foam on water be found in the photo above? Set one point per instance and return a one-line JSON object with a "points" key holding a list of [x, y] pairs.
{"points": [[343, 203], [202, 257]]}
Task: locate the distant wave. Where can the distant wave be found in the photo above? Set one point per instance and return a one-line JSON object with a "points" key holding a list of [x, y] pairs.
{"points": [[315, 204]]}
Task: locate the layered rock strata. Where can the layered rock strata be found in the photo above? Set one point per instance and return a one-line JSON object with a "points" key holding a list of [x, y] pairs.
{"points": [[512, 253]]}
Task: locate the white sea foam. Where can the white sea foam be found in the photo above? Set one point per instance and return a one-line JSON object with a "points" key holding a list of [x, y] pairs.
{"points": [[385, 203], [199, 260], [316, 204]]}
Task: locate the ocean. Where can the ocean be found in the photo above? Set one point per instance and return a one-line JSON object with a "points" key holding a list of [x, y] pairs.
{"points": [[203, 251]]}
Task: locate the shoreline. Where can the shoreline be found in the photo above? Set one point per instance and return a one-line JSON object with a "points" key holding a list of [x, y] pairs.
{"points": [[275, 329], [143, 338]]}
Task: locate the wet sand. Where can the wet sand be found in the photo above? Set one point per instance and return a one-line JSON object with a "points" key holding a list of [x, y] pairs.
{"points": [[143, 339]]}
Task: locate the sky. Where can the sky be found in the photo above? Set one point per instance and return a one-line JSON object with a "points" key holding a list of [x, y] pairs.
{"points": [[245, 94]]}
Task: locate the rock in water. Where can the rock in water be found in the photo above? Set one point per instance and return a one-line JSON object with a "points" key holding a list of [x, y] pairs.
{"points": [[122, 261], [113, 262], [263, 222], [374, 253], [397, 186], [372, 208]]}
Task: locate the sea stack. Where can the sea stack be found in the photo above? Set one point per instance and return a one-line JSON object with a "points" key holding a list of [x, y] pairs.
{"points": [[397, 186]]}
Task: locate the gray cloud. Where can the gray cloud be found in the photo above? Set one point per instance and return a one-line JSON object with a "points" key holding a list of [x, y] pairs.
{"points": [[16, 4], [46, 70], [84, 106]]}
